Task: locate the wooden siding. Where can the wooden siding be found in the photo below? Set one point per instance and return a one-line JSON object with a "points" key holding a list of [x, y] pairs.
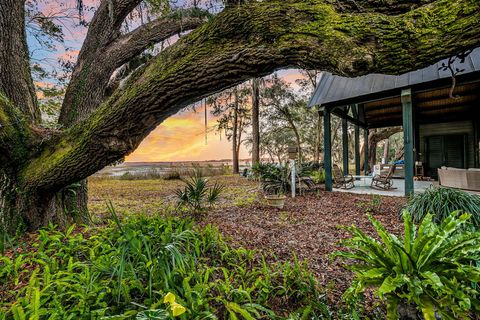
{"points": [[449, 128]]}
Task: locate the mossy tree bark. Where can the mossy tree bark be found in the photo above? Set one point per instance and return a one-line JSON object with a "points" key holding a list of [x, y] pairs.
{"points": [[15, 77], [104, 50], [244, 41]]}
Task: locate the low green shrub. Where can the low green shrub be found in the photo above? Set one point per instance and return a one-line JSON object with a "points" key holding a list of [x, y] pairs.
{"points": [[196, 196], [441, 202], [318, 176], [430, 270], [275, 179], [151, 268]]}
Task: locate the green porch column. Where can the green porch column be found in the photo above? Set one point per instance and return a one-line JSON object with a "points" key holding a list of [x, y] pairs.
{"points": [[357, 140], [345, 145], [407, 111], [476, 139], [357, 150], [366, 151], [327, 149]]}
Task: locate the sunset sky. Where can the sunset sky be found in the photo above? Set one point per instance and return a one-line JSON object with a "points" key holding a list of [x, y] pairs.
{"points": [[182, 138], [179, 138]]}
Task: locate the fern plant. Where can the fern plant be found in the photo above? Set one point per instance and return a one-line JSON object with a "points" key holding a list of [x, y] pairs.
{"points": [[430, 268], [197, 195]]}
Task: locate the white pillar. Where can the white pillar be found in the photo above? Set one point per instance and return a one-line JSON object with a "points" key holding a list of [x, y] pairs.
{"points": [[293, 174]]}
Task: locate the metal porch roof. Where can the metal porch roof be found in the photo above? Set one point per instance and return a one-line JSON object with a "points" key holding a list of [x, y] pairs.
{"points": [[335, 89]]}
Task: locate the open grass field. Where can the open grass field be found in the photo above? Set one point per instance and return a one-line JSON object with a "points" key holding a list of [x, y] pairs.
{"points": [[307, 228], [158, 196]]}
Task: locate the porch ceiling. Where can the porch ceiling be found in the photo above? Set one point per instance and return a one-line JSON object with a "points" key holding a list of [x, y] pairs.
{"points": [[335, 90], [430, 106]]}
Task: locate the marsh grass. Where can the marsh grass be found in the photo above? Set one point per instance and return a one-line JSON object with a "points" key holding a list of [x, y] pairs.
{"points": [[156, 197], [173, 173]]}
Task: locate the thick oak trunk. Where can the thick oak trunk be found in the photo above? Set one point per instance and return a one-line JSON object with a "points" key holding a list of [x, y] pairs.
{"points": [[23, 209]]}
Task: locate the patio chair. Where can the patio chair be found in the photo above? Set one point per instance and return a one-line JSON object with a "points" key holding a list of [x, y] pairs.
{"points": [[384, 181], [307, 183], [340, 180]]}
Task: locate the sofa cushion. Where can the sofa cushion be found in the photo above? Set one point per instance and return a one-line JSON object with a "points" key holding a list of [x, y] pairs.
{"points": [[460, 178]]}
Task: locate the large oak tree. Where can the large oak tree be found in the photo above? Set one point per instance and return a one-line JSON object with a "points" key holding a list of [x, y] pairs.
{"points": [[42, 171]]}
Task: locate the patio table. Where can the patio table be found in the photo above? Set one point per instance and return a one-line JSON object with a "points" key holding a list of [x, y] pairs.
{"points": [[363, 181]]}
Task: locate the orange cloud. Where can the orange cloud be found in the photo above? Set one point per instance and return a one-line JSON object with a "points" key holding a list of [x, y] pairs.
{"points": [[182, 138], [41, 84]]}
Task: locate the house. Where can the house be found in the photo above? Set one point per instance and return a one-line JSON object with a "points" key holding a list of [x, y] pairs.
{"points": [[440, 128]]}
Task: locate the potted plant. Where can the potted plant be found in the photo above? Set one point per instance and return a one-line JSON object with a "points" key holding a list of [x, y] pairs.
{"points": [[276, 200], [274, 181]]}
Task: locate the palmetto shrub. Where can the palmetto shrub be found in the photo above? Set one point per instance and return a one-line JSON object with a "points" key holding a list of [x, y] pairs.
{"points": [[196, 196], [429, 268], [441, 202]]}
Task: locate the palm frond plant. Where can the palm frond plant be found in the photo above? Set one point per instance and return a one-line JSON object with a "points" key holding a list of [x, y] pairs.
{"points": [[441, 202], [429, 270], [196, 196], [273, 178]]}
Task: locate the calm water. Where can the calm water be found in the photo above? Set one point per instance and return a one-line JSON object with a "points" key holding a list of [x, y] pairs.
{"points": [[162, 167]]}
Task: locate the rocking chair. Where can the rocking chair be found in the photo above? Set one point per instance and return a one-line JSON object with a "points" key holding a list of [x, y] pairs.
{"points": [[340, 180], [384, 181]]}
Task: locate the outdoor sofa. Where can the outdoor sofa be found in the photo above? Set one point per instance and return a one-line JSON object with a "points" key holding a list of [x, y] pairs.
{"points": [[468, 179]]}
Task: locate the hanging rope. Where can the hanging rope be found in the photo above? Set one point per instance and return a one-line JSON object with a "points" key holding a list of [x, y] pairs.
{"points": [[206, 122]]}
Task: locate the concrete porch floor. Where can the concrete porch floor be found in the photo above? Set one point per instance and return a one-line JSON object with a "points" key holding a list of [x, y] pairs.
{"points": [[363, 187]]}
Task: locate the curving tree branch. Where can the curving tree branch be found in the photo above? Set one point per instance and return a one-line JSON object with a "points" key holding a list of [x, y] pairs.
{"points": [[250, 41], [104, 52]]}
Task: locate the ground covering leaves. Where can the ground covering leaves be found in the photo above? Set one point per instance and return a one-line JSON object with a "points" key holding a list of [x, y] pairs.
{"points": [[309, 227]]}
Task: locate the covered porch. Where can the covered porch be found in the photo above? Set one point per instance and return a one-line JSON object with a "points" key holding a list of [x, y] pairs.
{"points": [[397, 191], [441, 128]]}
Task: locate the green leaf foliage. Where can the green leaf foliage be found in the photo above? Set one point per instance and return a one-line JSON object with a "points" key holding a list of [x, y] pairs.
{"points": [[197, 195], [430, 267], [441, 202], [124, 270]]}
